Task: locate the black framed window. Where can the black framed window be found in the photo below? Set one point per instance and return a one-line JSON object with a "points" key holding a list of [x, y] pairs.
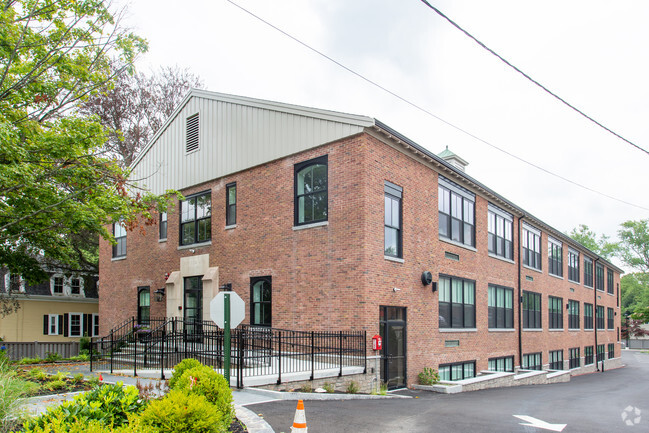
{"points": [[575, 357], [457, 370], [555, 312], [163, 225], [119, 233], [532, 361], [504, 363], [231, 204], [601, 324], [531, 310], [556, 360], [95, 325], [588, 355], [588, 316], [555, 257], [601, 352], [610, 318], [501, 229], [456, 212], [75, 286], [57, 285], [531, 239], [501, 306], [573, 265], [75, 324], [311, 199], [573, 314], [611, 350], [196, 219], [588, 272], [599, 277], [261, 301], [393, 236], [143, 305], [456, 302], [609, 282]]}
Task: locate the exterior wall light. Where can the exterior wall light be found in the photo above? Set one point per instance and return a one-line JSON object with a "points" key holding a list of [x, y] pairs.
{"points": [[159, 294]]}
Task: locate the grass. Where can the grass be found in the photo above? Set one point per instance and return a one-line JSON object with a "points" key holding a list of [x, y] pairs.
{"points": [[12, 388]]}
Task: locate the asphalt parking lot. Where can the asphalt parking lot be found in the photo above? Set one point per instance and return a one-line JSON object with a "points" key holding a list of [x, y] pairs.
{"points": [[612, 401]]}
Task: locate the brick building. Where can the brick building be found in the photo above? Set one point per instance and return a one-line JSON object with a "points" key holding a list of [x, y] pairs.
{"points": [[323, 220]]}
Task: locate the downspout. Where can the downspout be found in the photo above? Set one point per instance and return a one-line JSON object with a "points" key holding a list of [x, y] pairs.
{"points": [[595, 310], [520, 294]]}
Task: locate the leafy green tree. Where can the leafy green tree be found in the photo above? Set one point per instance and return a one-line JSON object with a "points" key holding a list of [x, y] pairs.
{"points": [[600, 245], [55, 182], [635, 291], [634, 244]]}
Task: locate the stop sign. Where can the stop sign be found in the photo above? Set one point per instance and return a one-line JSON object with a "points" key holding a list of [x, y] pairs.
{"points": [[237, 309]]}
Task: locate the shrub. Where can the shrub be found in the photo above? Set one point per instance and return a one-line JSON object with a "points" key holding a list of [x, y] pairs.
{"points": [[211, 385], [81, 357], [55, 385], [329, 387], [37, 374], [84, 344], [77, 378], [429, 376], [26, 361], [58, 376], [53, 357], [352, 387], [180, 368], [181, 411], [11, 389]]}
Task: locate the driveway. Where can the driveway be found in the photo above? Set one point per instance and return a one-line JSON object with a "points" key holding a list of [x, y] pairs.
{"points": [[595, 402]]}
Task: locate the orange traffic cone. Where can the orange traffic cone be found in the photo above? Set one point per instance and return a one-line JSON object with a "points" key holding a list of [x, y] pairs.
{"points": [[101, 378], [299, 422]]}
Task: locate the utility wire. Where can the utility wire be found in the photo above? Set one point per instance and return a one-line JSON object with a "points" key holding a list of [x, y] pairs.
{"points": [[454, 24], [424, 110]]}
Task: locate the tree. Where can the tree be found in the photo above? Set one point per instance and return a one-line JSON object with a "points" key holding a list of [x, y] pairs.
{"points": [[635, 292], [54, 182], [634, 244], [136, 106], [588, 238]]}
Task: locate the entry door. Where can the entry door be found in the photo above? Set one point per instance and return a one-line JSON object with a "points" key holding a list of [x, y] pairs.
{"points": [[393, 354], [193, 306]]}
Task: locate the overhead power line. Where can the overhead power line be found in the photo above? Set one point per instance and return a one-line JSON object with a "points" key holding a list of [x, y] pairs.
{"points": [[568, 104], [429, 113]]}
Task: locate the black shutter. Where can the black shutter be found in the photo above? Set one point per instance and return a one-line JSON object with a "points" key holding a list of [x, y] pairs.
{"points": [[61, 325], [46, 324], [66, 331], [87, 325]]}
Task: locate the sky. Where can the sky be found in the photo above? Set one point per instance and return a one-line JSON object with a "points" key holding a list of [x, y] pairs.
{"points": [[594, 54]]}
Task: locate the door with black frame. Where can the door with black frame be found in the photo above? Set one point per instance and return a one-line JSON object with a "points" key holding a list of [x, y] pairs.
{"points": [[143, 305], [193, 307], [260, 305], [393, 354]]}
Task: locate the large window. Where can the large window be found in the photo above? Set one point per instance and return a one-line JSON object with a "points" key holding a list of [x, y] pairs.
{"points": [[601, 353], [163, 225], [501, 228], [456, 303], [501, 307], [575, 361], [196, 219], [532, 361], [260, 306], [231, 204], [599, 277], [555, 257], [75, 324], [601, 324], [588, 272], [611, 350], [457, 371], [556, 360], [505, 363], [311, 202], [456, 212], [610, 319], [573, 314], [531, 310], [588, 355], [555, 311], [143, 305], [588, 316], [609, 282], [392, 245], [573, 265], [531, 247], [119, 232]]}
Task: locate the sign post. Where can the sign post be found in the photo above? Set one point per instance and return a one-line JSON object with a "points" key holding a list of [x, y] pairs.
{"points": [[227, 310], [226, 336]]}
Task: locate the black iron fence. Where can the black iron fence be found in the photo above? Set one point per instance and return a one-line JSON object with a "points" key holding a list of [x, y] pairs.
{"points": [[255, 351]]}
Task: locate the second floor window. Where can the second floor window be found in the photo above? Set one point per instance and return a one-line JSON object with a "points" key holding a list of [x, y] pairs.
{"points": [[555, 257], [196, 219], [119, 232], [311, 200], [573, 314], [501, 228], [163, 225], [75, 286], [573, 266], [610, 321], [588, 316], [531, 310], [599, 277], [531, 247], [456, 213], [501, 310], [555, 311], [57, 287], [231, 204], [456, 303], [588, 272], [392, 198], [601, 324]]}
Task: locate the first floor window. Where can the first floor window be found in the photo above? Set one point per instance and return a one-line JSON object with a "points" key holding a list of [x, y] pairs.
{"points": [[532, 361], [392, 200], [531, 310], [575, 361], [588, 316], [119, 233], [311, 198], [95, 325], [588, 355], [501, 307], [51, 324], [505, 363], [457, 371], [600, 352], [76, 324], [573, 314], [611, 350], [456, 302], [261, 295], [456, 212], [556, 360], [196, 219], [555, 309]]}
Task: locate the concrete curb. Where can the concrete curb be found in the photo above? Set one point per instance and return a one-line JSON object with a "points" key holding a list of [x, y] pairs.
{"points": [[280, 395], [253, 422]]}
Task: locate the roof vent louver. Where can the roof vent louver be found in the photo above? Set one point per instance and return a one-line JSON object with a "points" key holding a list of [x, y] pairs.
{"points": [[192, 133]]}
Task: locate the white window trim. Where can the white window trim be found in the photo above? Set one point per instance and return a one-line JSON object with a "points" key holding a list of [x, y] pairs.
{"points": [[49, 324], [95, 319], [70, 324], [81, 291], [21, 285]]}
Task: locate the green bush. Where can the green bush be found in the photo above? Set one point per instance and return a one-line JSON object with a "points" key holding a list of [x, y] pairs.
{"points": [[81, 357], [211, 385], [55, 385], [180, 368], [26, 361], [53, 357], [329, 387], [77, 378], [62, 425], [352, 387], [429, 376], [181, 411], [84, 344], [37, 374]]}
